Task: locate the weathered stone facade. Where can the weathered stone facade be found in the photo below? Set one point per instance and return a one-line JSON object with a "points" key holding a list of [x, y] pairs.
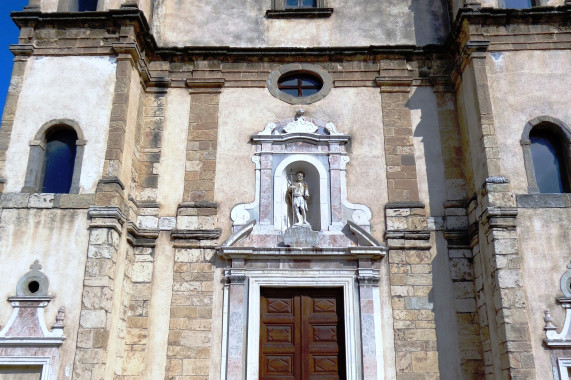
{"points": [[424, 200]]}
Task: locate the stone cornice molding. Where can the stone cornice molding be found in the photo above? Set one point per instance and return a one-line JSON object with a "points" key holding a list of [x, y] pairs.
{"points": [[25, 50], [106, 217], [205, 85], [469, 50], [499, 217], [140, 237], [505, 16], [314, 253], [199, 234], [394, 83]]}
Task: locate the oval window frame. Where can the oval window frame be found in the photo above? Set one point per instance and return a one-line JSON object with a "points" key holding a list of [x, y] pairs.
{"points": [[302, 68]]}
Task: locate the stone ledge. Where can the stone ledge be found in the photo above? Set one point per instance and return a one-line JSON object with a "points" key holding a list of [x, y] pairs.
{"points": [[46, 200], [392, 205], [300, 13], [543, 200]]}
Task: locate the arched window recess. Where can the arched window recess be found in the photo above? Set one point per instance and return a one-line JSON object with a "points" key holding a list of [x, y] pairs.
{"points": [[56, 154], [546, 144]]}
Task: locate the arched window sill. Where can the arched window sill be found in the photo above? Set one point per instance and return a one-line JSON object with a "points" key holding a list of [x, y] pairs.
{"points": [[300, 13], [543, 200]]}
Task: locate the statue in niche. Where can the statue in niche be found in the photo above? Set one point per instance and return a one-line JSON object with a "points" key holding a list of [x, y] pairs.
{"points": [[299, 193]]}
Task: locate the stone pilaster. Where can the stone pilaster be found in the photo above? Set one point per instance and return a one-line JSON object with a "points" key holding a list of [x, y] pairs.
{"points": [[369, 301], [472, 63], [110, 189], [237, 306], [395, 84], [501, 266], [137, 288], [202, 136], [460, 259], [500, 297], [98, 291], [10, 107], [189, 341], [148, 144], [410, 263]]}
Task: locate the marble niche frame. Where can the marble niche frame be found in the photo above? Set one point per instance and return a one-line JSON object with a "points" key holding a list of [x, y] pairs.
{"points": [[304, 141]]}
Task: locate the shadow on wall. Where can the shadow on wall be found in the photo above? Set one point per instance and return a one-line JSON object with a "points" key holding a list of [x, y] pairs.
{"points": [[431, 21], [425, 112]]}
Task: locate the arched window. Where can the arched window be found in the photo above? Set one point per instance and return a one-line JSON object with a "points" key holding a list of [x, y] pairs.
{"points": [[546, 153], [59, 160], [54, 164]]}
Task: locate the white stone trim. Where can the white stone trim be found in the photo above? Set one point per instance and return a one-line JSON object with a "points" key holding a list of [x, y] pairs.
{"points": [[43, 361], [225, 316], [563, 364], [280, 187], [378, 332], [362, 214], [240, 214], [317, 279]]}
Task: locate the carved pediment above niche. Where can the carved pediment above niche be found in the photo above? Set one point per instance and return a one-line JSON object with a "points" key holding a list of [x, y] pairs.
{"points": [[300, 180], [299, 125]]}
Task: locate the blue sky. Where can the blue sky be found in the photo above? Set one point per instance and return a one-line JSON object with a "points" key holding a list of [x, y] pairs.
{"points": [[8, 35]]}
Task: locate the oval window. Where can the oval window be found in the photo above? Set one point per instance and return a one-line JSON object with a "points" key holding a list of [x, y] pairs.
{"points": [[299, 84]]}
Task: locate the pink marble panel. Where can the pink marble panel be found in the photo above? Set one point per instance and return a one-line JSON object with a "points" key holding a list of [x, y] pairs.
{"points": [[368, 332], [26, 324], [265, 196], [235, 364]]}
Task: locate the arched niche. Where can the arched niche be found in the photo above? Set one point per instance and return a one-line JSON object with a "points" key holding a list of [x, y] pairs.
{"points": [[316, 178]]}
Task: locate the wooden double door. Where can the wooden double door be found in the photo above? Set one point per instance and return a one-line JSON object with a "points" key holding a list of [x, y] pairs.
{"points": [[302, 334]]}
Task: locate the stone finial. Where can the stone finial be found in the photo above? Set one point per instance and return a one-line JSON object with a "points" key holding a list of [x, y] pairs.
{"points": [[34, 283], [548, 321], [36, 266], [299, 113]]}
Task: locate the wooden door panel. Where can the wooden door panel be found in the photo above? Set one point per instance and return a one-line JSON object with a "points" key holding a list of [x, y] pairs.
{"points": [[302, 334], [279, 333]]}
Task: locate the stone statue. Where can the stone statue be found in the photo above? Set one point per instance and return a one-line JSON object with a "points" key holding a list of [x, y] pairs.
{"points": [[299, 195]]}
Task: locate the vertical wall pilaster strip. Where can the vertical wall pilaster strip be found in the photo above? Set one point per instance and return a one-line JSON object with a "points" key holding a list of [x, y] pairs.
{"points": [[110, 188], [148, 145], [509, 307], [10, 112], [235, 368], [395, 84], [506, 345], [190, 343], [97, 297], [202, 138], [460, 254], [369, 302], [137, 288], [410, 265], [474, 65]]}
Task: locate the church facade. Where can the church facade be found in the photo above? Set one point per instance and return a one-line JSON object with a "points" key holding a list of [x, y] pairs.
{"points": [[287, 189]]}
